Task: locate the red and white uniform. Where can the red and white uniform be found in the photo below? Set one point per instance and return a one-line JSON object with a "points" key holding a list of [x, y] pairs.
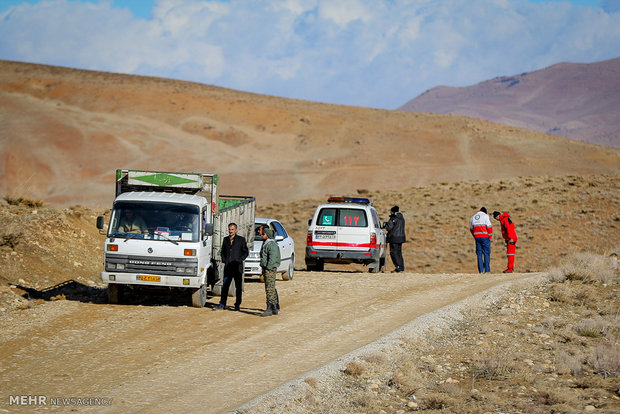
{"points": [[510, 236], [480, 225]]}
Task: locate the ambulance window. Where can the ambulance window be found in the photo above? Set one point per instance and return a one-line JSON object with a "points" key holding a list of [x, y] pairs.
{"points": [[352, 217], [327, 217], [375, 218]]}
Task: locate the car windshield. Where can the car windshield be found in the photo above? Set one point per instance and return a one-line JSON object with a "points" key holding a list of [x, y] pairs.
{"points": [[257, 227], [154, 221]]}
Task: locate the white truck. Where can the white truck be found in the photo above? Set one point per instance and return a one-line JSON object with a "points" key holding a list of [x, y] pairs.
{"points": [[166, 231]]}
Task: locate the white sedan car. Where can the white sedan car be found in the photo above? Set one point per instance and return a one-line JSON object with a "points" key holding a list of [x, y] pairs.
{"points": [[285, 243]]}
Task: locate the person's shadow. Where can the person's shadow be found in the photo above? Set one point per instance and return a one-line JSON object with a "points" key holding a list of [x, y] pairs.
{"points": [[249, 311]]}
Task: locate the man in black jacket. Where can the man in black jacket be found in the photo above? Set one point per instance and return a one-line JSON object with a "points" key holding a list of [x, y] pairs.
{"points": [[396, 237], [234, 252]]}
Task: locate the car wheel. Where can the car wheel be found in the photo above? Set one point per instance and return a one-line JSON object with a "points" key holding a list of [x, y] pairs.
{"points": [[288, 275]]}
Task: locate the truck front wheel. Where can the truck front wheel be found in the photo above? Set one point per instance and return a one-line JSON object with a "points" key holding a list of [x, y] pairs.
{"points": [[199, 296], [115, 293]]}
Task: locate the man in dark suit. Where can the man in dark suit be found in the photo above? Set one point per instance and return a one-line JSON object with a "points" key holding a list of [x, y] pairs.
{"points": [[396, 237], [234, 252]]}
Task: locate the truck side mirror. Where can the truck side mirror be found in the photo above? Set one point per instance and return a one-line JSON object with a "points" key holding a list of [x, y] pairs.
{"points": [[209, 229], [100, 222], [309, 222]]}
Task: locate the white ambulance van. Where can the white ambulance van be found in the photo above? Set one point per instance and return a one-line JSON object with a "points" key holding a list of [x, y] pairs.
{"points": [[345, 230]]}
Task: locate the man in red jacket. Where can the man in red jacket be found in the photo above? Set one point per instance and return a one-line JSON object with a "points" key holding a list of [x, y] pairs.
{"points": [[510, 237]]}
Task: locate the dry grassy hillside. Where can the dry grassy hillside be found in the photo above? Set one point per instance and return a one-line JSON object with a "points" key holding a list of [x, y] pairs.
{"points": [[65, 131]]}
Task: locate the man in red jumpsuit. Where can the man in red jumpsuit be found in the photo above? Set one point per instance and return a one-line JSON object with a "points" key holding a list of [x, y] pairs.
{"points": [[510, 237]]}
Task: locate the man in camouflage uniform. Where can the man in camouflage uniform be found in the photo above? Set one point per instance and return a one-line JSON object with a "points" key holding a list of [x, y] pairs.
{"points": [[269, 262]]}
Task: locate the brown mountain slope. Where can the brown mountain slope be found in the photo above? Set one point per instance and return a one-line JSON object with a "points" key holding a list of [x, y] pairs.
{"points": [[579, 101], [64, 132]]}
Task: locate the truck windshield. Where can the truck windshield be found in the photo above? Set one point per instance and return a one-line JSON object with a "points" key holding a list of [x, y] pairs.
{"points": [[154, 221]]}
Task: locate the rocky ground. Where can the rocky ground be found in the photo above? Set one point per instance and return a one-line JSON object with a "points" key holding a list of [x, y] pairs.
{"points": [[551, 347]]}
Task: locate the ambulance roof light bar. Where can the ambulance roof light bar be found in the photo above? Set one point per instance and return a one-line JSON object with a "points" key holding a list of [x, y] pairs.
{"points": [[358, 200]]}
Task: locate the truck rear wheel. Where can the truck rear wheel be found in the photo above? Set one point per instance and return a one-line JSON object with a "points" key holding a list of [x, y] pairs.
{"points": [[199, 296], [115, 293]]}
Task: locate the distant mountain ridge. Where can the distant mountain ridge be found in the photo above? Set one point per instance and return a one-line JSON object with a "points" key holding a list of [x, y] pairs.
{"points": [[573, 100]]}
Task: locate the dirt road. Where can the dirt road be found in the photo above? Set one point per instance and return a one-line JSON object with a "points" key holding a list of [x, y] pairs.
{"points": [[177, 359]]}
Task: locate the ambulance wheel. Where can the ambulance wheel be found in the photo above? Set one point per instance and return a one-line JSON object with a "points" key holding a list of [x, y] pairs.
{"points": [[375, 266], [318, 266]]}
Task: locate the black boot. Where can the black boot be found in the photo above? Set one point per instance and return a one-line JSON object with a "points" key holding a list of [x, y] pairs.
{"points": [[268, 311], [275, 309]]}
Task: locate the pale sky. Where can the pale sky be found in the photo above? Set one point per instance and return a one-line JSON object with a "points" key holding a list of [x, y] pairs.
{"points": [[371, 53]]}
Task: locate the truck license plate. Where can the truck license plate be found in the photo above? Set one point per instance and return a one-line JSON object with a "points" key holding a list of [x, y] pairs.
{"points": [[148, 278]]}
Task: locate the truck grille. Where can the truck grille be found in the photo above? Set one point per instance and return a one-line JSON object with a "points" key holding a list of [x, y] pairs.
{"points": [[142, 264]]}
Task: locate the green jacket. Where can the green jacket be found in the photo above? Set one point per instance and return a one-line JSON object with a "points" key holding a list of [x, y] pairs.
{"points": [[270, 255]]}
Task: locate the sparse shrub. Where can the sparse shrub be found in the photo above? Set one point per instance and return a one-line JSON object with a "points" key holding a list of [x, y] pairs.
{"points": [[586, 267], [558, 398], [494, 366], [363, 399], [556, 275], [560, 293], [606, 358], [569, 364], [354, 368], [407, 384], [376, 358], [23, 201], [10, 239], [576, 294], [592, 328], [436, 401]]}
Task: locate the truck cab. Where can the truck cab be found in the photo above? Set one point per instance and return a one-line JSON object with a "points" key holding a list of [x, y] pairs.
{"points": [[157, 239], [166, 231]]}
